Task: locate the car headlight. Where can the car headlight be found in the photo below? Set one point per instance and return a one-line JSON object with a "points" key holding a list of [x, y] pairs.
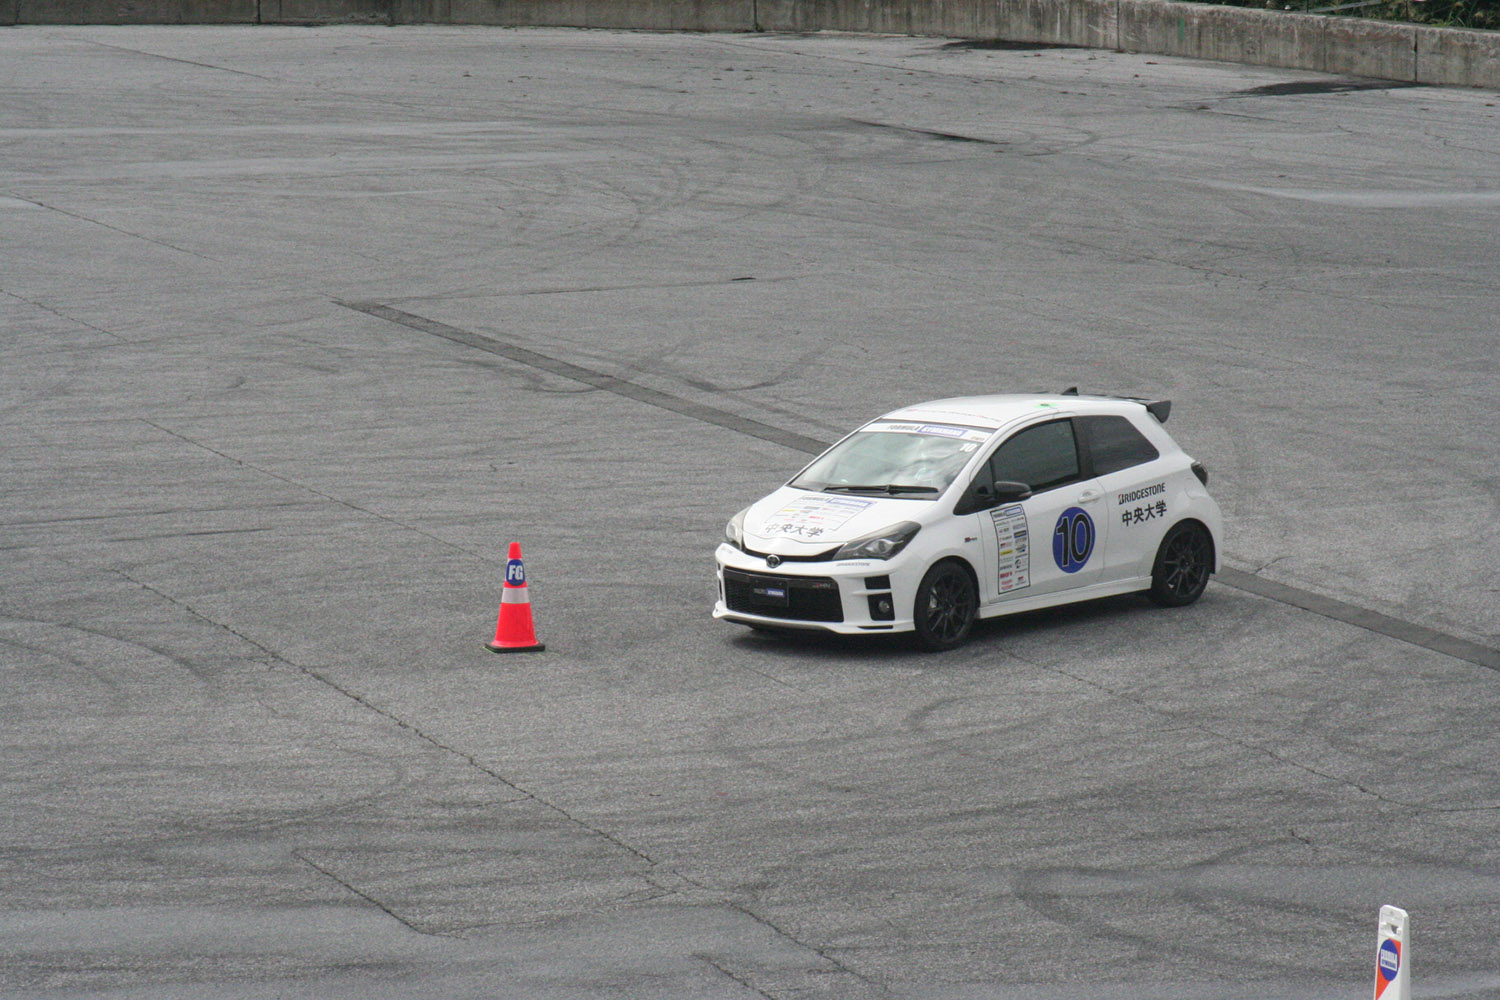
{"points": [[881, 545], [734, 531]]}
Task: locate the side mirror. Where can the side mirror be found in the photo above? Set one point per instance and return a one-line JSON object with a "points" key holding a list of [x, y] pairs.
{"points": [[1007, 491], [979, 496], [985, 496]]}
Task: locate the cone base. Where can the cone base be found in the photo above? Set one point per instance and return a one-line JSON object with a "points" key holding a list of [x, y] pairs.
{"points": [[495, 647]]}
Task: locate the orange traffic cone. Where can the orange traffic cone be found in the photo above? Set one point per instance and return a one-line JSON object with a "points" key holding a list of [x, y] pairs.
{"points": [[513, 632]]}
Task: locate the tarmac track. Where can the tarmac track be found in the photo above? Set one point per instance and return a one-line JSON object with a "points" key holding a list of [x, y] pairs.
{"points": [[304, 326]]}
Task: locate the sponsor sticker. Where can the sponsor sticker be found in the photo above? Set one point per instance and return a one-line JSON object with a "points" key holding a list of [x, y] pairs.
{"points": [[932, 430], [813, 516], [1012, 547], [1141, 494], [515, 574]]}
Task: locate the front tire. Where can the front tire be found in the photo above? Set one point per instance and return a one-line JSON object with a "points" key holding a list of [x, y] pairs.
{"points": [[947, 603], [1183, 564]]}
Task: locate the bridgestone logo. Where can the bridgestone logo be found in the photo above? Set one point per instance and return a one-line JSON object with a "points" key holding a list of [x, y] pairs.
{"points": [[1141, 494]]}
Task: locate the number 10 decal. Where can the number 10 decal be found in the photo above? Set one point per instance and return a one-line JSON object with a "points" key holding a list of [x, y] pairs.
{"points": [[1073, 539]]}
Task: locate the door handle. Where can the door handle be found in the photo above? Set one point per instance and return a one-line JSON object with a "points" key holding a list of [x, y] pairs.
{"points": [[1089, 496]]}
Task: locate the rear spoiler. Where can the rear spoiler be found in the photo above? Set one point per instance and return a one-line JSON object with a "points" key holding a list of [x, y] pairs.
{"points": [[1161, 409]]}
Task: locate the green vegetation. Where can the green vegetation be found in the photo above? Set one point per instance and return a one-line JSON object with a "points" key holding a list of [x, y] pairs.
{"points": [[1484, 14]]}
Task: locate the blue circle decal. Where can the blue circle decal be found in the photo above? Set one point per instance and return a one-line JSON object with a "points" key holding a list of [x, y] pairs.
{"points": [[515, 574], [1390, 959], [1073, 540]]}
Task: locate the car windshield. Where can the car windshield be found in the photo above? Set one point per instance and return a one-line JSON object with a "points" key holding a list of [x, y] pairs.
{"points": [[914, 460]]}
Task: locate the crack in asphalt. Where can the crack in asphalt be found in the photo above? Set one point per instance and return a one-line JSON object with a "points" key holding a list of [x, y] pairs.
{"points": [[123, 232], [58, 313], [1147, 706], [709, 961], [272, 658], [820, 952], [409, 925], [315, 492]]}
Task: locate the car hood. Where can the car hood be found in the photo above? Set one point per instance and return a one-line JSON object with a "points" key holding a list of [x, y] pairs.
{"points": [[793, 522]]}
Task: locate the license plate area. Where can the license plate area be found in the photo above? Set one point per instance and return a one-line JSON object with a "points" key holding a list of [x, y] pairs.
{"points": [[771, 593]]}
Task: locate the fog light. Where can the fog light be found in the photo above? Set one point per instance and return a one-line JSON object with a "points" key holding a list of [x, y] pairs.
{"points": [[882, 608]]}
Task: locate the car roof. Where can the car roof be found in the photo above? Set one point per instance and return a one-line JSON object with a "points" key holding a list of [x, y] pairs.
{"points": [[994, 412]]}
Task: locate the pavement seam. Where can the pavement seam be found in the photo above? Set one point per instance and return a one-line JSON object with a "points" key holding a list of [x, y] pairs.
{"points": [[326, 873], [62, 315], [316, 492], [123, 232], [175, 59], [709, 961], [277, 658], [1255, 748], [472, 761], [781, 932]]}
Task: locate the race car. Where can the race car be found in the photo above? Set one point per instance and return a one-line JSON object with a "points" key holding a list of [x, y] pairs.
{"points": [[935, 515]]}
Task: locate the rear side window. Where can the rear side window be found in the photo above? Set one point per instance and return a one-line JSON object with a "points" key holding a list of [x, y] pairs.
{"points": [[1041, 457], [1115, 444]]}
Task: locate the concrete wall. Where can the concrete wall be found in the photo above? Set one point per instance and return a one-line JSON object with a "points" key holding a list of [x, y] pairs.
{"points": [[1062, 22], [1267, 38], [326, 11], [1347, 46], [643, 15], [128, 11], [1459, 58]]}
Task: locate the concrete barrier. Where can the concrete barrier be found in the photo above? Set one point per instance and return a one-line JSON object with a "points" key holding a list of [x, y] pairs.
{"points": [[1346, 46], [1270, 38], [641, 15], [130, 11], [326, 12], [1089, 23], [1458, 58]]}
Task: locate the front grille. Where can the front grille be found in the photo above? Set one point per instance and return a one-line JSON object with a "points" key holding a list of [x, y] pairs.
{"points": [[795, 598], [823, 556]]}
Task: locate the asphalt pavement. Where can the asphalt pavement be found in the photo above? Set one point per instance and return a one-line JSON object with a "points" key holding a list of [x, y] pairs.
{"points": [[303, 327]]}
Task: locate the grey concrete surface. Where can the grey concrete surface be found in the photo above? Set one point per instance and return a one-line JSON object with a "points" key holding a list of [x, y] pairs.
{"points": [[254, 531]]}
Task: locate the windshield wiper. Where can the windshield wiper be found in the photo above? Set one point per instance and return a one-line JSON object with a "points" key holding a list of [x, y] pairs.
{"points": [[890, 489]]}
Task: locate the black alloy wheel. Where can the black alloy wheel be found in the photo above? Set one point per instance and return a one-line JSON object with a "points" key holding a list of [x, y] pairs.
{"points": [[946, 605], [1183, 563]]}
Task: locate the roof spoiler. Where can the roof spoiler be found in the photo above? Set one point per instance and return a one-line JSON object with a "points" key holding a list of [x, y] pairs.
{"points": [[1161, 409]]}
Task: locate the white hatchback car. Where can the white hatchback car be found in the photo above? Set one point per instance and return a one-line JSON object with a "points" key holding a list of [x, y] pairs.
{"points": [[937, 514]]}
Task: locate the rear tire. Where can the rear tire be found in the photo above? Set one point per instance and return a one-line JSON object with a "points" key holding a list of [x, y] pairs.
{"points": [[1183, 564], [947, 603]]}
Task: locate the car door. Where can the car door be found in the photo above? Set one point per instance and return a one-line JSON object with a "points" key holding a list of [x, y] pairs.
{"points": [[1054, 539]]}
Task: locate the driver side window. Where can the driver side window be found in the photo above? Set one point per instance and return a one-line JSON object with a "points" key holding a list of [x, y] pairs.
{"points": [[1042, 457]]}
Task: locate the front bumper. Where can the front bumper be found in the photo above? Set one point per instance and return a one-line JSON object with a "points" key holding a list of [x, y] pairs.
{"points": [[850, 597]]}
